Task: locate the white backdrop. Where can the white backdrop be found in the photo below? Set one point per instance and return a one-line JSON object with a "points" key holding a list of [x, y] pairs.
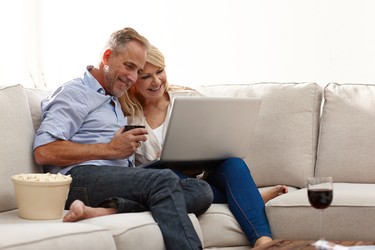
{"points": [[46, 42]]}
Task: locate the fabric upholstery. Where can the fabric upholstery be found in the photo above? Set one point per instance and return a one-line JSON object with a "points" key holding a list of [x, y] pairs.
{"points": [[55, 236], [35, 96], [128, 228], [17, 135], [218, 220], [347, 134]]}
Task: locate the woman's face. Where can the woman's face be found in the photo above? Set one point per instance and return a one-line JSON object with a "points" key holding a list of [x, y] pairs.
{"points": [[151, 82]]}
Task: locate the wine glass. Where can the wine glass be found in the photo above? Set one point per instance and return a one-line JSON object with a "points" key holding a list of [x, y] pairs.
{"points": [[133, 123], [320, 193]]}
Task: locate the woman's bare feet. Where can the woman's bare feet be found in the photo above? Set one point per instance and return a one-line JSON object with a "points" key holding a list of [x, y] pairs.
{"points": [[79, 211], [262, 240], [273, 192]]}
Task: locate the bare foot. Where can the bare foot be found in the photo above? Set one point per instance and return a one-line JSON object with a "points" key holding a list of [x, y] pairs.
{"points": [[262, 240], [273, 192], [79, 211]]}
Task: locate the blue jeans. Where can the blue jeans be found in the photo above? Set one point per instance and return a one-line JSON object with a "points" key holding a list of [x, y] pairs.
{"points": [[232, 183], [135, 189]]}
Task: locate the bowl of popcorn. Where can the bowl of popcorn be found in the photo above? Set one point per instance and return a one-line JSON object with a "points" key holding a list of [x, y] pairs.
{"points": [[41, 196]]}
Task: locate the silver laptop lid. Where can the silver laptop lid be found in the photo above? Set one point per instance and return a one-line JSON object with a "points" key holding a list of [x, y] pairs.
{"points": [[210, 128]]}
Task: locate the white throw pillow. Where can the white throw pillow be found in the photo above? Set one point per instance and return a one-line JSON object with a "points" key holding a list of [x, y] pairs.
{"points": [[346, 148]]}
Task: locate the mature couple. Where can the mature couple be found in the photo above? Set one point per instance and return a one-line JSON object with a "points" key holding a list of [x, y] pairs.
{"points": [[82, 134]]}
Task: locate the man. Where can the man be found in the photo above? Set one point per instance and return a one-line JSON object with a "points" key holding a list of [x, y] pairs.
{"points": [[82, 135]]}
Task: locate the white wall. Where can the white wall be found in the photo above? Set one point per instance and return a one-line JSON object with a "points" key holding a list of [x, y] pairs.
{"points": [[204, 41]]}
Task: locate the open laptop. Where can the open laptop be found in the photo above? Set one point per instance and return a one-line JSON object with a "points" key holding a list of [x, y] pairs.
{"points": [[204, 130]]}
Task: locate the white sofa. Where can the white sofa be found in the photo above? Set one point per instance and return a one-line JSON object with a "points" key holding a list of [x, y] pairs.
{"points": [[287, 147]]}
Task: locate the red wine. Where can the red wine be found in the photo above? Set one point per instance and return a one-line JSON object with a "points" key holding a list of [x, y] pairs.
{"points": [[320, 198]]}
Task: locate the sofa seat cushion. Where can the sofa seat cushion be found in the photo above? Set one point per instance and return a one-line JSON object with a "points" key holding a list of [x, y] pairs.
{"points": [[136, 230], [283, 147], [221, 229], [291, 216], [129, 230], [347, 135], [20, 234]]}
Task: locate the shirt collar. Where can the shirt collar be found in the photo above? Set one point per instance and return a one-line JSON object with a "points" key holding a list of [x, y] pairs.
{"points": [[91, 82]]}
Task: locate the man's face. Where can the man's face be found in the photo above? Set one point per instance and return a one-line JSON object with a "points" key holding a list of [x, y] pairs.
{"points": [[121, 70]]}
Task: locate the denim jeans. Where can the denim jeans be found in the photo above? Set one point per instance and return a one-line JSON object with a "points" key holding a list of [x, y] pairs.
{"points": [[232, 183], [135, 189]]}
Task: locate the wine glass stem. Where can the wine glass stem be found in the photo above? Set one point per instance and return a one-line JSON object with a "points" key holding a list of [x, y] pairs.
{"points": [[321, 224]]}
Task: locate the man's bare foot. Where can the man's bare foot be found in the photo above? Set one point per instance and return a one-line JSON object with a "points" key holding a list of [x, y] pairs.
{"points": [[79, 211], [262, 240], [273, 192]]}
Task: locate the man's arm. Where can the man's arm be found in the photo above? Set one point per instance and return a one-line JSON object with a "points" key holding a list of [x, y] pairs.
{"points": [[64, 153]]}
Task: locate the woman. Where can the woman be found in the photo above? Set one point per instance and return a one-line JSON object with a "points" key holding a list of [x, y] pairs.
{"points": [[148, 102]]}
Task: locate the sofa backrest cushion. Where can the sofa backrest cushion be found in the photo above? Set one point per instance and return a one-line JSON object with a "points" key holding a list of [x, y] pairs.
{"points": [[347, 135], [283, 148], [17, 136], [35, 97]]}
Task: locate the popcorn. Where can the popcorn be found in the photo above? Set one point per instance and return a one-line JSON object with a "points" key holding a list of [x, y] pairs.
{"points": [[42, 177]]}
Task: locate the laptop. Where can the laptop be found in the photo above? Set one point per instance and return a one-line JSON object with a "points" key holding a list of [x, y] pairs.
{"points": [[205, 130]]}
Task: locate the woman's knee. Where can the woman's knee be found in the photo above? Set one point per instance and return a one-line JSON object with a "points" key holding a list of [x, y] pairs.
{"points": [[234, 164]]}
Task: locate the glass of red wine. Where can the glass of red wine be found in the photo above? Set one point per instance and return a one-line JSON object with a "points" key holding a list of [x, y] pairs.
{"points": [[320, 193]]}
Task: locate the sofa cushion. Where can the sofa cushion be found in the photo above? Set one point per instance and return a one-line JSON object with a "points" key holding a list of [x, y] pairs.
{"points": [[17, 136], [347, 135], [292, 218], [54, 236], [35, 97], [51, 234], [283, 148], [129, 230], [220, 228], [136, 230]]}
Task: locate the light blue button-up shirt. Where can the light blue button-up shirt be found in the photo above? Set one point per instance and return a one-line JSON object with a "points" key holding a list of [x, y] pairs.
{"points": [[81, 112]]}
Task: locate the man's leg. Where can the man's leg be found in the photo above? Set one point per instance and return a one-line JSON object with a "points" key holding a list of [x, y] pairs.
{"points": [[168, 206], [198, 195], [158, 190]]}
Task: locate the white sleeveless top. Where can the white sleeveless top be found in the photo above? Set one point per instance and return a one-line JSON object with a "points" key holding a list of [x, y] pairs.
{"points": [[159, 133]]}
